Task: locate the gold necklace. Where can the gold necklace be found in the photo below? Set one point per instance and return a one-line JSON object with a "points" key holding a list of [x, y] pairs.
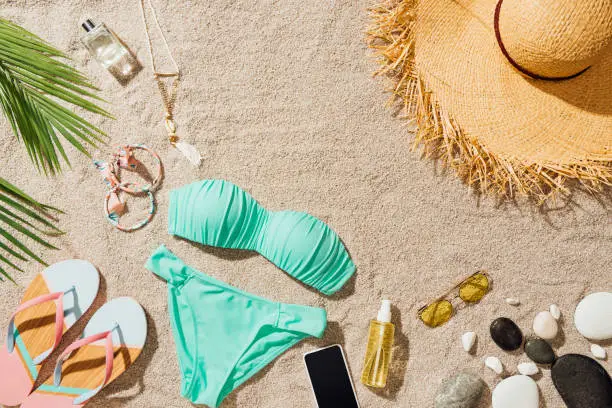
{"points": [[168, 93]]}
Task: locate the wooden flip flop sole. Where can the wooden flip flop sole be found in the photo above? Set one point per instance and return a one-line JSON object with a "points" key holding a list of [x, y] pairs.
{"points": [[85, 368], [72, 285]]}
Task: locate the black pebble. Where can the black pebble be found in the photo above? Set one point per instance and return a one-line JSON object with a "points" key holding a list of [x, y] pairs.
{"points": [[506, 334], [539, 351], [582, 382]]}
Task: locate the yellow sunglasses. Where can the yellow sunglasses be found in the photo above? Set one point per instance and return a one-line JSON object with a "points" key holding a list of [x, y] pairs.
{"points": [[471, 290]]}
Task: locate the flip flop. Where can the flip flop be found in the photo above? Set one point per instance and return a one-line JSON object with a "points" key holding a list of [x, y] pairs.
{"points": [[111, 342], [54, 301]]}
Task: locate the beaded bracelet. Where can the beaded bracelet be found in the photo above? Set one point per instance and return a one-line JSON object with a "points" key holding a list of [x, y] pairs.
{"points": [[113, 205]]}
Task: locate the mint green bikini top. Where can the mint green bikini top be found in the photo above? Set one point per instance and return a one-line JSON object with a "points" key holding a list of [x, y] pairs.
{"points": [[221, 214]]}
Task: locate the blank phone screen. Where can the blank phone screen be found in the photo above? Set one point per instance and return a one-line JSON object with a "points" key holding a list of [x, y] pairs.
{"points": [[330, 378]]}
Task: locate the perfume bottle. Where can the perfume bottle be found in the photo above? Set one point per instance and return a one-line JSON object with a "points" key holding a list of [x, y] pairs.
{"points": [[378, 351], [105, 47]]}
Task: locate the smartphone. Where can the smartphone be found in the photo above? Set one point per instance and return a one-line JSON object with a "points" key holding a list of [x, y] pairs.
{"points": [[330, 379]]}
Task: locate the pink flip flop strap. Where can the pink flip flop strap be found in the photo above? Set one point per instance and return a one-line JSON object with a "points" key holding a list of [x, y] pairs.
{"points": [[110, 356], [59, 322]]}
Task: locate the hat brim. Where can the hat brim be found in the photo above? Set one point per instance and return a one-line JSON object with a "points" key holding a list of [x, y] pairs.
{"points": [[496, 126]]}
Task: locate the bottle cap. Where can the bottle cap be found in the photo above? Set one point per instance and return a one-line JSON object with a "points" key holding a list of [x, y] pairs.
{"points": [[384, 314], [88, 25]]}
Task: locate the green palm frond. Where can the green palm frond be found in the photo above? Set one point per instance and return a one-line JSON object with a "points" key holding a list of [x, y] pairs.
{"points": [[33, 81], [35, 86], [22, 220]]}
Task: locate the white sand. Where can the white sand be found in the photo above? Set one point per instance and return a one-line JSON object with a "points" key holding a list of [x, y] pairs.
{"points": [[279, 98]]}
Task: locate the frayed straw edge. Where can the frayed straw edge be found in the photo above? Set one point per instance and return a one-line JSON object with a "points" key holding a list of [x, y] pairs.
{"points": [[440, 138]]}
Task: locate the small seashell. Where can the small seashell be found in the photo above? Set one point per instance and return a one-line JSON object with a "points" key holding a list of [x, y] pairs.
{"points": [[170, 126], [494, 364], [555, 311], [467, 340], [598, 351], [529, 368], [513, 301]]}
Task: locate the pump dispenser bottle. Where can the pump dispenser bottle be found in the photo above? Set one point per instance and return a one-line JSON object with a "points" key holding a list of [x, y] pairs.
{"points": [[379, 349], [109, 51]]}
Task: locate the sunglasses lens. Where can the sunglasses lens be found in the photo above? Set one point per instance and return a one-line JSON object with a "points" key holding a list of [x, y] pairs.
{"points": [[474, 288], [437, 313]]}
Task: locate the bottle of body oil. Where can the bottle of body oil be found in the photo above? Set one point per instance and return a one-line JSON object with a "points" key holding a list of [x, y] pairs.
{"points": [[109, 51], [378, 352]]}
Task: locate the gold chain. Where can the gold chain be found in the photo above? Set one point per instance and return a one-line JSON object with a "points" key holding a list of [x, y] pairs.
{"points": [[168, 100], [168, 97]]}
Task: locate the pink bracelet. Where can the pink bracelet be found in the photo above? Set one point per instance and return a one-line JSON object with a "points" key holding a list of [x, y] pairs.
{"points": [[113, 205], [125, 159]]}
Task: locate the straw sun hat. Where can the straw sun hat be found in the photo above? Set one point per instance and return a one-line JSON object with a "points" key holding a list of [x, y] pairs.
{"points": [[516, 95]]}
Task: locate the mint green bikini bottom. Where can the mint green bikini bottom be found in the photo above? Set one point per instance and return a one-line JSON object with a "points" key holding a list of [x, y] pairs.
{"points": [[223, 335]]}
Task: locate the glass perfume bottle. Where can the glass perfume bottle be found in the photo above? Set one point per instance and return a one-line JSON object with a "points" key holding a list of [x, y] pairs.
{"points": [[380, 345], [109, 51]]}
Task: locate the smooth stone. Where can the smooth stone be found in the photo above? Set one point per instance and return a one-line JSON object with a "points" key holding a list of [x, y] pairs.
{"points": [[545, 325], [582, 382], [513, 301], [539, 351], [467, 340], [463, 390], [518, 391], [598, 352], [555, 311], [494, 364], [528, 368], [506, 334], [593, 316]]}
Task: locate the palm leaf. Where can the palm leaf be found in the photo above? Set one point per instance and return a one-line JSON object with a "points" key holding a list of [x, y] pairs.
{"points": [[34, 87], [33, 82], [25, 222]]}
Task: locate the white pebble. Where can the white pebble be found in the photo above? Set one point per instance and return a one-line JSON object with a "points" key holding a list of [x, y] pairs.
{"points": [[513, 301], [593, 316], [494, 364], [598, 351], [545, 325], [467, 340], [529, 368], [555, 311], [516, 391]]}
